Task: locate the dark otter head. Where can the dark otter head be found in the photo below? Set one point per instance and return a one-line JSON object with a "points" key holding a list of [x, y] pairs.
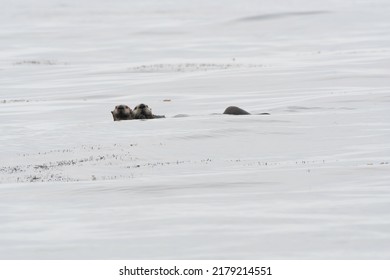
{"points": [[122, 112], [142, 111]]}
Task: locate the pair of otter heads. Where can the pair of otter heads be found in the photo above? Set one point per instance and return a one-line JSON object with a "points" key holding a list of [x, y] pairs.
{"points": [[123, 112]]}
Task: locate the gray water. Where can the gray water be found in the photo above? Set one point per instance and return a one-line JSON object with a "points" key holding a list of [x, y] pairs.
{"points": [[309, 181]]}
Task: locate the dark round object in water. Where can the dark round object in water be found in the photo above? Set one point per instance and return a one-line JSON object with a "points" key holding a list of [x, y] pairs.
{"points": [[233, 110]]}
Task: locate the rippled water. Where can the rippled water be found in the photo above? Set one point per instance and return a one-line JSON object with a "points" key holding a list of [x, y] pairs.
{"points": [[310, 180]]}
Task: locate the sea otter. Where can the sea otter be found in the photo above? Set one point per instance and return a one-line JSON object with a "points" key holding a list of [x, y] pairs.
{"points": [[143, 111], [122, 112]]}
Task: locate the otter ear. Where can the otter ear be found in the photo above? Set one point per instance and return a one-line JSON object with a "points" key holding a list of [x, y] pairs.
{"points": [[112, 112]]}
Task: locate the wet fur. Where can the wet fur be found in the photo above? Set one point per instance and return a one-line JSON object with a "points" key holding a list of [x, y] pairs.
{"points": [[140, 112], [122, 112]]}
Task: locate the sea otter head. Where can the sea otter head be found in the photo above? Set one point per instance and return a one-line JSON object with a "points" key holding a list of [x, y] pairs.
{"points": [[142, 111], [122, 112]]}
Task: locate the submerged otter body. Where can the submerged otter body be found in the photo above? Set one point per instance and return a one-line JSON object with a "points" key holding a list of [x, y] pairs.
{"points": [[233, 110]]}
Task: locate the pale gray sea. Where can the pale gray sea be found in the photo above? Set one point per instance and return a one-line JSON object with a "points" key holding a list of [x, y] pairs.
{"points": [[309, 181]]}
